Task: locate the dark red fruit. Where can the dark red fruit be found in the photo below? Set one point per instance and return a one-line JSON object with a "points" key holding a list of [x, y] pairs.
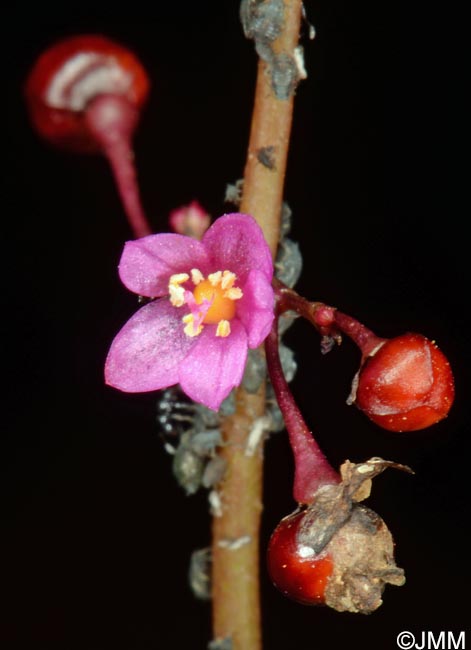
{"points": [[68, 76], [406, 384], [85, 94], [337, 552], [295, 569]]}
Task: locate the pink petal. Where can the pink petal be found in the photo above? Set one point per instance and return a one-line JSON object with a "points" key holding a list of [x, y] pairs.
{"points": [[145, 354], [235, 242], [147, 263], [214, 365], [256, 308]]}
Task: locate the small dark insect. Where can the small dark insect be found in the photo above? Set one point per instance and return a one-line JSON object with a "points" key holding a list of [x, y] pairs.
{"points": [[190, 433], [199, 574], [175, 414], [266, 156], [143, 300], [262, 20], [284, 75], [234, 192]]}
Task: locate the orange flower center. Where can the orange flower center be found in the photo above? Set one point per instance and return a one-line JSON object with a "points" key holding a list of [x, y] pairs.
{"points": [[222, 307], [212, 302]]}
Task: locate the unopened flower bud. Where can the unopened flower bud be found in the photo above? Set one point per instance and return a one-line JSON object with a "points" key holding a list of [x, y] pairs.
{"points": [[191, 220]]}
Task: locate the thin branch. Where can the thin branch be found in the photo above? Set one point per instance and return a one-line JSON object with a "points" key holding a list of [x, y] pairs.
{"points": [[236, 606]]}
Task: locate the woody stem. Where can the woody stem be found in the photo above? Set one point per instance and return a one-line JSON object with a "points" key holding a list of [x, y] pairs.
{"points": [[235, 574]]}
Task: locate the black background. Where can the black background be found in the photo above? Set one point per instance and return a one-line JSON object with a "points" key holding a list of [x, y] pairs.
{"points": [[96, 535]]}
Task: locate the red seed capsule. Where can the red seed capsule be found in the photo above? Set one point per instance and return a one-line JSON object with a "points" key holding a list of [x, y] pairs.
{"points": [[406, 385], [335, 551], [68, 76], [85, 94], [294, 568]]}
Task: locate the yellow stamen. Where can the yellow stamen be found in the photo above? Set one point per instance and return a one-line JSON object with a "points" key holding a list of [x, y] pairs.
{"points": [[215, 278], [177, 295], [196, 276], [177, 292], [179, 278], [228, 280], [190, 329], [234, 293], [223, 329]]}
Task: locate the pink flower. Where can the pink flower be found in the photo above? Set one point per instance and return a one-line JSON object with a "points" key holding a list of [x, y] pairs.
{"points": [[215, 302]]}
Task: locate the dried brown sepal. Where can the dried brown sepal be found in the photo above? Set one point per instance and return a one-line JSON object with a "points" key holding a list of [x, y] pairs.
{"points": [[333, 504], [363, 558], [356, 477], [356, 538]]}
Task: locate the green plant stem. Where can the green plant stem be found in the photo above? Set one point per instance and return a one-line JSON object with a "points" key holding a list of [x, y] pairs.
{"points": [[235, 547]]}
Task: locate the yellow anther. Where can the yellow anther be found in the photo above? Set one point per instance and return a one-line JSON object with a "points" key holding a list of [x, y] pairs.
{"points": [[234, 293], [190, 329], [223, 329], [215, 278], [177, 295], [228, 279], [177, 292], [179, 278], [196, 276]]}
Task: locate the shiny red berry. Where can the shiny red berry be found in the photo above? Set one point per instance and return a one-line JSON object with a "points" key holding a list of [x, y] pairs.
{"points": [[406, 384], [335, 551], [295, 569], [85, 94], [68, 76]]}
